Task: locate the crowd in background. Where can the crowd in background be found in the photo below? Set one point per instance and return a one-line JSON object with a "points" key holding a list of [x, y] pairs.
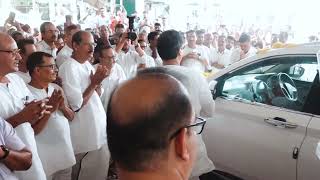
{"points": [[71, 72]]}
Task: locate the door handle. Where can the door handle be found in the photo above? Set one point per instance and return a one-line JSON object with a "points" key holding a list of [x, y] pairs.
{"points": [[280, 122]]}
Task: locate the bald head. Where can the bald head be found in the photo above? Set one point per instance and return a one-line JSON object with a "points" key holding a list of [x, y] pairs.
{"points": [[152, 89], [6, 41], [143, 114]]}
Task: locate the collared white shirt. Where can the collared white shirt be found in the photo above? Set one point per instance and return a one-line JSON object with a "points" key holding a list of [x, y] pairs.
{"points": [[222, 58], [63, 55], [13, 97], [44, 47], [235, 56], [129, 62], [158, 60], [10, 139], [54, 141], [116, 77], [24, 76], [149, 61], [195, 64], [203, 104], [88, 129]]}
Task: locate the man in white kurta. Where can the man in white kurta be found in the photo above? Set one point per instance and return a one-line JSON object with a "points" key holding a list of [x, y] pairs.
{"points": [[195, 56], [49, 34], [116, 76], [245, 50], [130, 60], [26, 47], [88, 129], [151, 50], [66, 51], [53, 136], [13, 108], [221, 55], [169, 45]]}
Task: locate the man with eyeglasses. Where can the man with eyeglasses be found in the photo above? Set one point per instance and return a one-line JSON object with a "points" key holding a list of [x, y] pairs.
{"points": [[169, 48], [49, 34], [106, 57], [80, 82], [17, 106], [155, 138], [53, 132]]}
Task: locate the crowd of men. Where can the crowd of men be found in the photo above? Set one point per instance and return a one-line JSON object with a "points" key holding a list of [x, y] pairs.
{"points": [[74, 99]]}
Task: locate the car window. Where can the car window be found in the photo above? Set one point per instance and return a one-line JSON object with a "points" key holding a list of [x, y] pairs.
{"points": [[283, 82]]}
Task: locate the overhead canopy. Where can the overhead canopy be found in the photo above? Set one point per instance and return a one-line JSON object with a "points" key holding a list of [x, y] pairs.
{"points": [[96, 3]]}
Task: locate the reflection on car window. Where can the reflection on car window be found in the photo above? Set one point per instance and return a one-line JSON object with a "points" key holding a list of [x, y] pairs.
{"points": [[282, 82]]}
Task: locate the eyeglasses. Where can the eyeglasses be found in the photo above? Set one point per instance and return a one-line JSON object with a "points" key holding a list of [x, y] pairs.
{"points": [[197, 127], [12, 52], [109, 57], [51, 66], [90, 44], [52, 31]]}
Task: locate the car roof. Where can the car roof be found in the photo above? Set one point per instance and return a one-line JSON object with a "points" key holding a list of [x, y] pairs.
{"points": [[292, 49]]}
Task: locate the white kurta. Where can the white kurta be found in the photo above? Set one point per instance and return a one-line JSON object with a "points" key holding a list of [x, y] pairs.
{"points": [[10, 139], [129, 62], [222, 58], [12, 102], [194, 63], [235, 55], [158, 60], [149, 61], [88, 129], [24, 76], [63, 55], [116, 77], [54, 141], [44, 47], [203, 104]]}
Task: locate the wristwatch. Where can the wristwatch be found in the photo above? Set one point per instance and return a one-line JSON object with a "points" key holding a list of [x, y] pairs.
{"points": [[6, 152]]}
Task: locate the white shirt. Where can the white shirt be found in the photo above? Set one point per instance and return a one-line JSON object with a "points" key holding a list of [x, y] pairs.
{"points": [[129, 62], [44, 47], [54, 141], [203, 104], [13, 98], [235, 55], [149, 61], [194, 63], [116, 77], [10, 139], [222, 58], [158, 60], [24, 76], [88, 129], [64, 54]]}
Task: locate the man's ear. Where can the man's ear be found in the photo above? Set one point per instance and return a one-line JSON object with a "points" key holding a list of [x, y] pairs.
{"points": [[181, 145], [74, 46]]}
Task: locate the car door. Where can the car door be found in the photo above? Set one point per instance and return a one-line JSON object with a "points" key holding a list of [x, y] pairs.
{"points": [[249, 137], [309, 155]]}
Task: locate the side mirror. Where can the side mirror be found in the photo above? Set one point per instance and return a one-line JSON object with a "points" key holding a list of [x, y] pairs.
{"points": [[212, 87]]}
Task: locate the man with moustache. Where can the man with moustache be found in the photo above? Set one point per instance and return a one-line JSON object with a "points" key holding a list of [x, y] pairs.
{"points": [[53, 132], [80, 82], [17, 106], [49, 34]]}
